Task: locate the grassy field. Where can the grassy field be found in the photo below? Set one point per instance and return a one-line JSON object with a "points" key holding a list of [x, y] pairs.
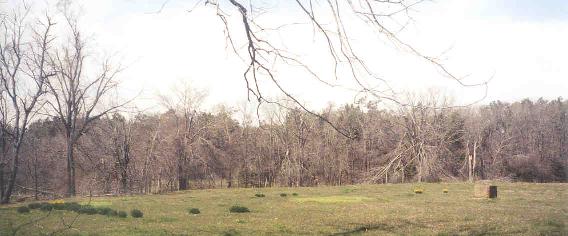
{"points": [[525, 209]]}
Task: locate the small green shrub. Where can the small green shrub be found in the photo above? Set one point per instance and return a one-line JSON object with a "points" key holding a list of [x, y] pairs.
{"points": [[46, 206], [35, 205], [72, 206], [238, 209], [88, 210], [231, 232], [194, 211], [136, 213], [283, 195], [259, 195], [59, 206], [122, 214], [104, 211], [23, 210], [112, 213], [294, 194]]}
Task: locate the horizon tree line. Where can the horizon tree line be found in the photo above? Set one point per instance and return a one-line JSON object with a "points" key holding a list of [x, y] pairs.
{"points": [[63, 134]]}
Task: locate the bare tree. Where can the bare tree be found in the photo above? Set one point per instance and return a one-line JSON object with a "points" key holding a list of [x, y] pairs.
{"points": [[185, 104], [121, 142], [23, 76], [77, 99], [334, 25]]}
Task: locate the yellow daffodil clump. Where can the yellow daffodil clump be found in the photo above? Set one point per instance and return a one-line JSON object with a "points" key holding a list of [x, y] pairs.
{"points": [[58, 201]]}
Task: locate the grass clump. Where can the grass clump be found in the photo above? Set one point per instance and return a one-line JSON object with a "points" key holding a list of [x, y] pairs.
{"points": [[122, 214], [238, 209], [46, 206], [283, 195], [136, 213], [445, 190], [88, 210], [112, 213], [35, 205], [23, 210], [295, 194], [194, 211], [72, 206], [59, 206], [418, 190], [106, 211], [259, 195]]}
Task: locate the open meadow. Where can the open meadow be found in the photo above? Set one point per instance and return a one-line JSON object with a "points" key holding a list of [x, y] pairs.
{"points": [[520, 209]]}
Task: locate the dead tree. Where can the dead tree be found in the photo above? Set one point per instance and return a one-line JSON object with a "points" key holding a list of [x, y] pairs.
{"points": [[332, 25], [77, 98], [121, 142], [185, 104], [23, 76]]}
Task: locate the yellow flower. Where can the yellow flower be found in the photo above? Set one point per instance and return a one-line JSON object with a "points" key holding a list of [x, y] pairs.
{"points": [[58, 201], [418, 190]]}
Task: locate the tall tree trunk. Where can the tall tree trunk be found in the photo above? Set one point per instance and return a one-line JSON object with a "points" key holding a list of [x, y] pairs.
{"points": [[2, 184], [2, 164], [13, 172], [70, 168], [36, 185], [474, 161]]}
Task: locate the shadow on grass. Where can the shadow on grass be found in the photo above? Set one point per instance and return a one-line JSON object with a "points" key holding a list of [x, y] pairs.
{"points": [[230, 232], [384, 227], [551, 227], [478, 231]]}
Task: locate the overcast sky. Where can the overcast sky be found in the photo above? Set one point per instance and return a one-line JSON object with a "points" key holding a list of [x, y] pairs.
{"points": [[522, 43]]}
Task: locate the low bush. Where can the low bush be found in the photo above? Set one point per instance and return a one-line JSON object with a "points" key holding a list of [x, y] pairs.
{"points": [[46, 206], [294, 194], [259, 195], [104, 211], [238, 209], [194, 211], [23, 210], [283, 195], [72, 206], [88, 209], [35, 205], [122, 214], [112, 213], [59, 206], [136, 213]]}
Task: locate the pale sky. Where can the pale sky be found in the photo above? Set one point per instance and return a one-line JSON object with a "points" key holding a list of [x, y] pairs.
{"points": [[522, 43]]}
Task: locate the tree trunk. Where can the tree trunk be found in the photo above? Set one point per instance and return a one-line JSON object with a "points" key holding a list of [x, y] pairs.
{"points": [[36, 185], [2, 164], [12, 180], [70, 169], [2, 180], [474, 160]]}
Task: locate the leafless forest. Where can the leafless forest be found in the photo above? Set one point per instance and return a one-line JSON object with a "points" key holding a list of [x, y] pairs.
{"points": [[185, 148], [62, 134]]}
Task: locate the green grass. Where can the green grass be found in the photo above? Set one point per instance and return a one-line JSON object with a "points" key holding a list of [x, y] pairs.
{"points": [[521, 209], [333, 199]]}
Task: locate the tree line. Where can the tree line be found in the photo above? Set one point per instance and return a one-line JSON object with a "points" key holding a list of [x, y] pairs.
{"points": [[62, 132], [184, 148]]}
